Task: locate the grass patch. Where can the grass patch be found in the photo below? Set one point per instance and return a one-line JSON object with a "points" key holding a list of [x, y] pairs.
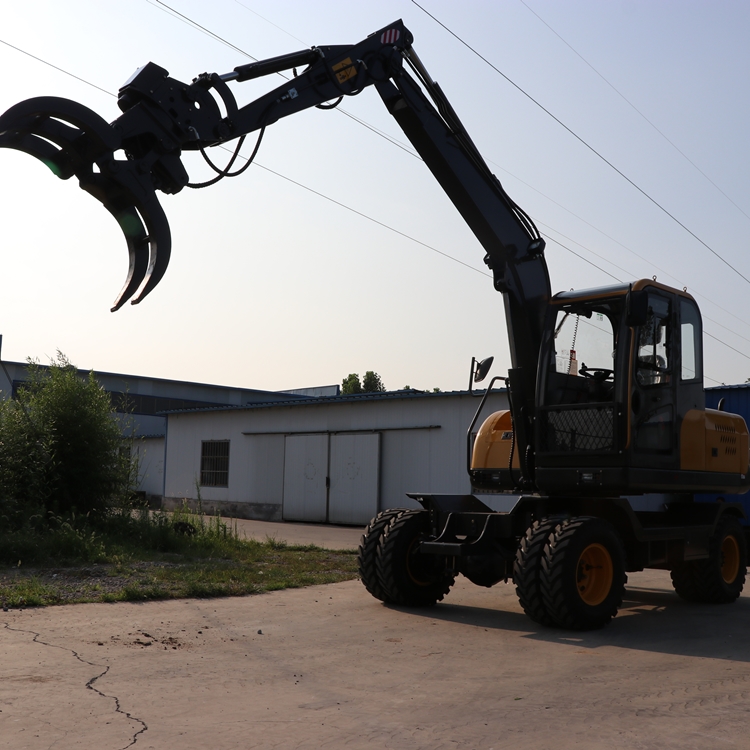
{"points": [[139, 557]]}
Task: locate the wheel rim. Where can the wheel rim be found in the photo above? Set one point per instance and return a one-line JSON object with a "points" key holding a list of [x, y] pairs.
{"points": [[415, 566], [730, 559], [595, 573]]}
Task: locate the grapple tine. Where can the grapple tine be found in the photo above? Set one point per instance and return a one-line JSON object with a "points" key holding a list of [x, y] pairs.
{"points": [[56, 159], [29, 115], [138, 252], [129, 197], [160, 241]]}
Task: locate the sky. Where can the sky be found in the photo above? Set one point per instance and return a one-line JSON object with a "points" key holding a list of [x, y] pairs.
{"points": [[275, 285]]}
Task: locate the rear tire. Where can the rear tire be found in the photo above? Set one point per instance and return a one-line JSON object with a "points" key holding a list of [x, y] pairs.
{"points": [[721, 578], [367, 553], [527, 570], [406, 576], [583, 573]]}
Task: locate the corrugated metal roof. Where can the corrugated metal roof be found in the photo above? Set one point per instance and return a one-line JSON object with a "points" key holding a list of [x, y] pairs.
{"points": [[347, 399]]}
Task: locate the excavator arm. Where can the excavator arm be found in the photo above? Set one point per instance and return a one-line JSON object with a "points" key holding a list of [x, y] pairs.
{"points": [[125, 163]]}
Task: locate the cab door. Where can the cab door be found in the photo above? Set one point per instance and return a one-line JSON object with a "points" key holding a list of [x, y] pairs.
{"points": [[653, 419]]}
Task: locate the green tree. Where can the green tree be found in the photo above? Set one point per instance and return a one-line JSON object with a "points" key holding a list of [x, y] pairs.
{"points": [[61, 450], [371, 383], [351, 384]]}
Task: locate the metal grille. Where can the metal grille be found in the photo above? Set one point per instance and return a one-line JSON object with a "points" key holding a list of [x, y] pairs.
{"points": [[578, 430], [215, 463]]}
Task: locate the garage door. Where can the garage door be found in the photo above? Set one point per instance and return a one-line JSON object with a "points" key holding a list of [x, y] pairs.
{"points": [[341, 490], [353, 494], [305, 474]]}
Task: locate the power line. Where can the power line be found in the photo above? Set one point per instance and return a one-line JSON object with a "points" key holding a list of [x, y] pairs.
{"points": [[263, 18], [630, 104], [49, 64], [373, 220], [625, 271], [584, 143], [623, 246], [189, 21]]}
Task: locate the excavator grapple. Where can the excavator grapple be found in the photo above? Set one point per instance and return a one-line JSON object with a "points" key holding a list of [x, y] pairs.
{"points": [[72, 140]]}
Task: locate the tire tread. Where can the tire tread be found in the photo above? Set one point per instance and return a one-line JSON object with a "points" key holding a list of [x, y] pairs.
{"points": [[391, 564], [367, 552]]}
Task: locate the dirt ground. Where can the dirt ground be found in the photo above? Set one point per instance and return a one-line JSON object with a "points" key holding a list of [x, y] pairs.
{"points": [[331, 667]]}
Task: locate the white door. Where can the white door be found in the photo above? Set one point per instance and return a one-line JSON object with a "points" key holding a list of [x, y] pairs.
{"points": [[355, 471], [305, 475]]}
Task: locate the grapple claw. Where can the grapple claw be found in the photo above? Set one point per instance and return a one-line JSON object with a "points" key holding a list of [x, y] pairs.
{"points": [[72, 139]]}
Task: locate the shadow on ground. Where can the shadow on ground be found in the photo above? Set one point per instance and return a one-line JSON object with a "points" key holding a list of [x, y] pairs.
{"points": [[649, 620]]}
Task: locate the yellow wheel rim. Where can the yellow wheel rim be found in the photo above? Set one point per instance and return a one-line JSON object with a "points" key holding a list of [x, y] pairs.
{"points": [[730, 559], [412, 563], [595, 573]]}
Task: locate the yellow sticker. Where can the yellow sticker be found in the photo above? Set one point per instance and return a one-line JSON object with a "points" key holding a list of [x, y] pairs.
{"points": [[344, 70]]}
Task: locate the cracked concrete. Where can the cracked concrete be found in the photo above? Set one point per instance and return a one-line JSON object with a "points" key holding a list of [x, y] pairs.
{"points": [[331, 667]]}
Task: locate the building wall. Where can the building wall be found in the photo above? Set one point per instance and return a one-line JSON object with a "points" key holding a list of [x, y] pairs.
{"points": [[422, 448], [149, 453]]}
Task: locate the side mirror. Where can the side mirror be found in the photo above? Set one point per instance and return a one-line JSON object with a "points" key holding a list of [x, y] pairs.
{"points": [[636, 308], [482, 369]]}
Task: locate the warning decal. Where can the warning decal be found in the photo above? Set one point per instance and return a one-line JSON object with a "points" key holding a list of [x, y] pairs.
{"points": [[390, 36], [344, 70]]}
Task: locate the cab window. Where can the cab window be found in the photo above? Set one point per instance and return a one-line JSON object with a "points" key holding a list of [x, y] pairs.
{"points": [[581, 366], [653, 365], [690, 341]]}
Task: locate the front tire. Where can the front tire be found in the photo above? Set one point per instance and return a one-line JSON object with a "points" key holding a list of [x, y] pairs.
{"points": [[583, 573], [368, 551], [721, 578], [527, 570], [405, 575]]}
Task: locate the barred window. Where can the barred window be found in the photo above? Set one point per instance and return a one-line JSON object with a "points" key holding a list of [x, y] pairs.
{"points": [[215, 463]]}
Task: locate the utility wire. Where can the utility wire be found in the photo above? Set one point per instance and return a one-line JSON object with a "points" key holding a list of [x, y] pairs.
{"points": [[584, 143], [624, 270], [49, 64], [263, 18], [373, 220], [630, 104], [666, 273], [196, 25]]}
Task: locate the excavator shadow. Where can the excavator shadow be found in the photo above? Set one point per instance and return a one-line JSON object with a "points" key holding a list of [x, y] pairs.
{"points": [[649, 619]]}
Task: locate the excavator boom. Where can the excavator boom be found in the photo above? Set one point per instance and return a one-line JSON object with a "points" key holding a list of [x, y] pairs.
{"points": [[125, 163]]}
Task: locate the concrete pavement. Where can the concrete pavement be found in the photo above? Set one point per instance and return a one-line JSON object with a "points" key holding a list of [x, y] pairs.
{"points": [[322, 535]]}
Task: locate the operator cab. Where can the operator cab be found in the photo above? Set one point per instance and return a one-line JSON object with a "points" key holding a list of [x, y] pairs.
{"points": [[620, 401]]}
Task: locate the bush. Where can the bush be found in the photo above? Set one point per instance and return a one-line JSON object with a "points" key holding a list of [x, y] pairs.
{"points": [[61, 450]]}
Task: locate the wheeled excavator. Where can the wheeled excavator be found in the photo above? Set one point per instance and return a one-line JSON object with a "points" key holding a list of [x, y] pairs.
{"points": [[606, 440]]}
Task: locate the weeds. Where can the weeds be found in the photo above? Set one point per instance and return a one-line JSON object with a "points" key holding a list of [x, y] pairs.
{"points": [[137, 555]]}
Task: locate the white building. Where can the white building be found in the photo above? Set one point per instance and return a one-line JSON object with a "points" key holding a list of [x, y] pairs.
{"points": [[335, 460]]}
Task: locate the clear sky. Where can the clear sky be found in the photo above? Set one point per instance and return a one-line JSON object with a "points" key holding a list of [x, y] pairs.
{"points": [[272, 286]]}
